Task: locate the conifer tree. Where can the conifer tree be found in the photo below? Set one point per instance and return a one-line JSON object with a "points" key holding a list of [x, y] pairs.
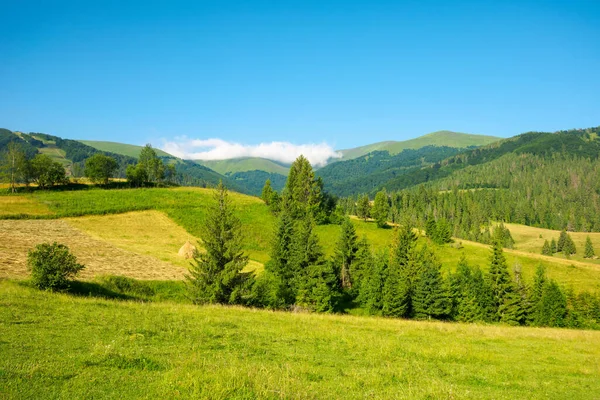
{"points": [[302, 193], [515, 309], [552, 307], [381, 209], [400, 274], [370, 295], [589, 248], [319, 290], [345, 252], [431, 298], [498, 279], [363, 207], [546, 249], [215, 275], [444, 234], [267, 192], [562, 239], [363, 260], [279, 263], [539, 282], [305, 251], [431, 228], [569, 246], [553, 246]]}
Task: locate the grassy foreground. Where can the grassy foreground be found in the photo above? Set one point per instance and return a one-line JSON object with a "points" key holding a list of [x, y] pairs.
{"points": [[59, 346]]}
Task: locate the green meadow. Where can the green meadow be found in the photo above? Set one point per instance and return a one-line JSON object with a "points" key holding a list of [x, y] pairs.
{"points": [[65, 346]]}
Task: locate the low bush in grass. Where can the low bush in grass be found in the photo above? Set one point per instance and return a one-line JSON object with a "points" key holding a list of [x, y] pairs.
{"points": [[52, 266]]}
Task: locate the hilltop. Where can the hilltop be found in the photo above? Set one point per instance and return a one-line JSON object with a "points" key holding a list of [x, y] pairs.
{"points": [[129, 150], [439, 138]]}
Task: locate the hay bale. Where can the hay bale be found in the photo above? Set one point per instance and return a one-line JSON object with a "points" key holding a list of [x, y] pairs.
{"points": [[188, 250]]}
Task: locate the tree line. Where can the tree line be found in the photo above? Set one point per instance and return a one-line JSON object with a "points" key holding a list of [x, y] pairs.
{"points": [[403, 281]]}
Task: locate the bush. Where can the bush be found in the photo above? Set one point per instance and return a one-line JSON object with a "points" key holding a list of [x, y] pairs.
{"points": [[52, 265]]}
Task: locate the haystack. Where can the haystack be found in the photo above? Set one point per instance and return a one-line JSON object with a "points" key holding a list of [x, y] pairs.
{"points": [[188, 250]]}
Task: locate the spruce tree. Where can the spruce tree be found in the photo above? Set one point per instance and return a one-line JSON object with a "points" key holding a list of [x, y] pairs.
{"points": [[552, 307], [546, 249], [370, 294], [431, 228], [589, 248], [562, 239], [363, 207], [498, 279], [553, 246], [279, 263], [569, 246], [381, 209], [345, 252], [400, 274], [319, 290], [431, 298], [359, 268], [515, 309], [305, 251], [215, 275], [539, 282], [444, 234], [302, 193], [267, 192]]}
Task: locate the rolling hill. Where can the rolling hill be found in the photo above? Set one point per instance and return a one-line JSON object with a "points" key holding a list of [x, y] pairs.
{"points": [[439, 138], [129, 150], [244, 164]]}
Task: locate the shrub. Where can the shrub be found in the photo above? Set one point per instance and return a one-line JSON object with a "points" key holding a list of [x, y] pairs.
{"points": [[52, 265]]}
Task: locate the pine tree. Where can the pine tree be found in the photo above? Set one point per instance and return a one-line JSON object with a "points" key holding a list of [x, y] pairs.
{"points": [[345, 252], [381, 209], [553, 247], [279, 263], [515, 309], [302, 193], [562, 239], [431, 298], [267, 192], [305, 251], [589, 248], [363, 260], [400, 273], [431, 228], [363, 207], [569, 246], [539, 282], [215, 275], [370, 295], [498, 279], [319, 290], [552, 307], [546, 249]]}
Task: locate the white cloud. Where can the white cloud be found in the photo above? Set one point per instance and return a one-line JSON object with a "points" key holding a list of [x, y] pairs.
{"points": [[218, 149]]}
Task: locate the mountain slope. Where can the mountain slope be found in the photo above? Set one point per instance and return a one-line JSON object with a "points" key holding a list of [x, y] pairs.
{"points": [[245, 164], [129, 150], [440, 138]]}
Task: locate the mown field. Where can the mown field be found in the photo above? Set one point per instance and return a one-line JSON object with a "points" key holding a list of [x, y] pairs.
{"points": [[63, 346]]}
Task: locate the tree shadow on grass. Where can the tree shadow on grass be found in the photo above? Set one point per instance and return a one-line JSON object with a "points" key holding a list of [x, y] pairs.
{"points": [[93, 289]]}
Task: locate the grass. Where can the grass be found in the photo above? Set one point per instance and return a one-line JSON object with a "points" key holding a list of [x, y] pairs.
{"points": [[20, 205], [245, 164], [120, 148], [64, 346], [99, 256]]}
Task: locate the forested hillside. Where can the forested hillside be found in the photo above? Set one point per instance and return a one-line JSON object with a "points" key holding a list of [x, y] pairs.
{"points": [[374, 170], [576, 143]]}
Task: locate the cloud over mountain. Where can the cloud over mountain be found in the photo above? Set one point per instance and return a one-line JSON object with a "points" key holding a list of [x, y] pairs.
{"points": [[218, 149]]}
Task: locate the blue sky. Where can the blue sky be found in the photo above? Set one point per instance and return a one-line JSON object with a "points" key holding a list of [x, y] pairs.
{"points": [[344, 73]]}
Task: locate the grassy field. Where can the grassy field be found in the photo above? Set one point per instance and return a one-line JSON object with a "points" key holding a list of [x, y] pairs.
{"points": [[61, 346], [531, 240], [120, 148]]}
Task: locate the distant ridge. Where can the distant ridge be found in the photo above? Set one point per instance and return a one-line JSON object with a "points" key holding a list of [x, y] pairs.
{"points": [[439, 138], [245, 164], [124, 149]]}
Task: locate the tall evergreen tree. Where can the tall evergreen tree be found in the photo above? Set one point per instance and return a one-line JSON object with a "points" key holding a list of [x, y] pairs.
{"points": [[397, 288], [301, 190], [345, 252], [431, 298], [562, 239], [360, 266], [363, 207], [215, 275], [498, 279], [589, 248], [381, 209], [552, 307], [431, 228], [370, 294], [279, 263], [569, 246], [267, 192], [539, 282]]}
